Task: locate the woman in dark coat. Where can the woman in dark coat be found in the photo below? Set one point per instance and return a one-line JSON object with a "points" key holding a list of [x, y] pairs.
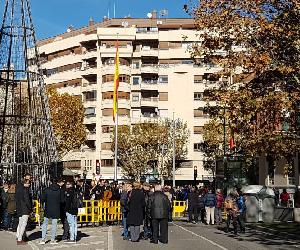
{"points": [[136, 205]]}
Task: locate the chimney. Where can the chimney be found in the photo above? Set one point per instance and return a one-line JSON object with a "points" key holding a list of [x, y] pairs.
{"points": [[154, 14], [91, 21]]}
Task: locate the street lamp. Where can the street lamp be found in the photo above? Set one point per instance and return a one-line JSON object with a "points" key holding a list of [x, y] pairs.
{"points": [[195, 174]]}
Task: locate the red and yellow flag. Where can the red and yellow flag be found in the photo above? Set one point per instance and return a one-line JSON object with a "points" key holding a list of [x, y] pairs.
{"points": [[116, 84]]}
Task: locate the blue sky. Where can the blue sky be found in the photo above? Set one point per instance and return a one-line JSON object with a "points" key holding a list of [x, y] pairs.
{"points": [[52, 17]]}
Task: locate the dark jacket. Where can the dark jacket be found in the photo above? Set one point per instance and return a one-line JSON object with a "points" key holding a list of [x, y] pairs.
{"points": [[52, 198], [210, 200], [193, 199], [159, 206], [69, 198], [23, 201], [123, 202], [136, 206]]}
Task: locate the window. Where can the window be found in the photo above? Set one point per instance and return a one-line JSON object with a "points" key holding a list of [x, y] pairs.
{"points": [[163, 79], [198, 79], [163, 96], [106, 146], [198, 96], [135, 98], [136, 113], [135, 80], [90, 96], [198, 112], [90, 112], [107, 129], [197, 147], [107, 163], [198, 129], [136, 64]]}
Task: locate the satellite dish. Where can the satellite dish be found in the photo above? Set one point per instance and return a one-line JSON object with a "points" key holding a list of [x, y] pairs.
{"points": [[149, 15]]}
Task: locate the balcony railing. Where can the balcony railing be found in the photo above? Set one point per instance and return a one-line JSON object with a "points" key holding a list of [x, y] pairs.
{"points": [[149, 115], [149, 99]]}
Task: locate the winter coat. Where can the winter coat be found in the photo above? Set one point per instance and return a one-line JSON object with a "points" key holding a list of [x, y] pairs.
{"points": [[52, 197], [159, 206], [23, 201], [209, 200], [193, 199], [136, 206], [220, 200], [69, 198], [11, 205], [123, 202], [4, 198]]}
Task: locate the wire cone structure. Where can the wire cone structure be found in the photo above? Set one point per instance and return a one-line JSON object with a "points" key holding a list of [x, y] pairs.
{"points": [[27, 142]]}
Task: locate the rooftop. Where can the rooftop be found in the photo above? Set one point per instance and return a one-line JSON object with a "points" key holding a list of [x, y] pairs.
{"points": [[161, 23]]}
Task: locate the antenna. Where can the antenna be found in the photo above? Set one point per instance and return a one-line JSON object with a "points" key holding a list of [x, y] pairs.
{"points": [[164, 12], [114, 10]]}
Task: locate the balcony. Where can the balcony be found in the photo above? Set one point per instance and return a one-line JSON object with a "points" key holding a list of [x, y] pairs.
{"points": [[149, 85], [89, 119], [91, 136], [109, 86], [89, 86], [89, 70], [149, 117], [149, 101], [122, 120], [122, 103], [124, 51], [149, 68], [90, 54], [147, 51], [110, 69], [105, 137]]}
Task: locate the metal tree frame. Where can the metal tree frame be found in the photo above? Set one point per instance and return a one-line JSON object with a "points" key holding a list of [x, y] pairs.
{"points": [[27, 142]]}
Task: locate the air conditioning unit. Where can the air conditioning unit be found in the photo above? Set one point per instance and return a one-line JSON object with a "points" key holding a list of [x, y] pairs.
{"points": [[159, 22]]}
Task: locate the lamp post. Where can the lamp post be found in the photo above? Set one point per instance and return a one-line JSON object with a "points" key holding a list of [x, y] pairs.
{"points": [[195, 174]]}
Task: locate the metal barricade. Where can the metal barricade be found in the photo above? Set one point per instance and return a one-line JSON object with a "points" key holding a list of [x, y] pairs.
{"points": [[179, 208]]}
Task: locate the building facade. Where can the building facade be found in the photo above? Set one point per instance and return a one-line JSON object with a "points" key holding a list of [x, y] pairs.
{"points": [[157, 78]]}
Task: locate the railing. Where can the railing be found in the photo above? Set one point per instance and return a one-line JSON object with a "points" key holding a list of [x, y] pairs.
{"points": [[149, 99]]}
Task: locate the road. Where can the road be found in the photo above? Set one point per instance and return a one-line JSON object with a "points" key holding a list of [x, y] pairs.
{"points": [[182, 236]]}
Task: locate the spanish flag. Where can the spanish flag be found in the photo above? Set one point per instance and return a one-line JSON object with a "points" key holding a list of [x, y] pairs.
{"points": [[116, 84]]}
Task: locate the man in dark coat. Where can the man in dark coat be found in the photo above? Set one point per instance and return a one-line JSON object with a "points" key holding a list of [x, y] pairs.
{"points": [[193, 198], [24, 209], [159, 207], [136, 206], [147, 220], [51, 199]]}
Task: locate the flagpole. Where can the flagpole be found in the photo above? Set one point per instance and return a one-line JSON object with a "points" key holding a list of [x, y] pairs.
{"points": [[116, 127], [116, 148]]}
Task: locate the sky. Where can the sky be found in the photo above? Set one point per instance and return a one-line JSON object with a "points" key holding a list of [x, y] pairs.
{"points": [[53, 17]]}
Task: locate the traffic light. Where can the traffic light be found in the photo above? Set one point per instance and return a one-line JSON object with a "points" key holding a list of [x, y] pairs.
{"points": [[195, 172], [97, 167]]}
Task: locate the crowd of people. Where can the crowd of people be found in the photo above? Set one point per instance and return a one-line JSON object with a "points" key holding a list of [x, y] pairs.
{"points": [[145, 206]]}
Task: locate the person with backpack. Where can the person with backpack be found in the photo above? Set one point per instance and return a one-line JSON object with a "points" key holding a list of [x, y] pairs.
{"points": [[219, 205], [73, 202], [210, 203], [52, 198]]}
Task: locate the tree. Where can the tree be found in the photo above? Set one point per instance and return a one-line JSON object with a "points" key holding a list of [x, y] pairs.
{"points": [[67, 114], [256, 43], [145, 146]]}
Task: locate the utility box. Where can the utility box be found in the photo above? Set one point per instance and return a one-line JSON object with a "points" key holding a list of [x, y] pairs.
{"points": [[260, 203]]}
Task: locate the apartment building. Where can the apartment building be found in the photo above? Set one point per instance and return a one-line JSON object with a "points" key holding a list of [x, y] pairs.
{"points": [[157, 77]]}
